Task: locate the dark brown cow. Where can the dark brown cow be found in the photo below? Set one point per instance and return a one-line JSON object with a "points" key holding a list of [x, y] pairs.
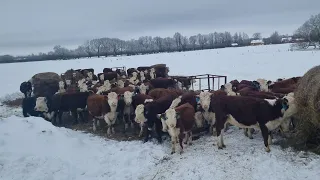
{"points": [[178, 122], [160, 92], [248, 112], [163, 83]]}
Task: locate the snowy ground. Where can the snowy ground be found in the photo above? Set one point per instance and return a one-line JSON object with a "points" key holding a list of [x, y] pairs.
{"points": [[31, 148]]}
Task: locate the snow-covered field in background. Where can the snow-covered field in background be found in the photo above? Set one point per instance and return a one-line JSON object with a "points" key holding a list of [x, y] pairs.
{"points": [[31, 148]]}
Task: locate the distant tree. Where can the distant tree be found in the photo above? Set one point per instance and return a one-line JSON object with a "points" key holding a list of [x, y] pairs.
{"points": [[201, 40], [6, 59], [193, 40], [178, 40], [256, 36], [159, 43], [275, 38]]}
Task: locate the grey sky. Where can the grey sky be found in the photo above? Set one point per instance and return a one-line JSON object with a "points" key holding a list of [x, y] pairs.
{"points": [[37, 25]]}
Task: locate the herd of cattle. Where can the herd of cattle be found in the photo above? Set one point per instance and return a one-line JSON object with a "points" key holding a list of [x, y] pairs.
{"points": [[148, 97]]}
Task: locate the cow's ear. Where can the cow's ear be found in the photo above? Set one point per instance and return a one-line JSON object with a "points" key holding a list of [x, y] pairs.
{"points": [[159, 116]]}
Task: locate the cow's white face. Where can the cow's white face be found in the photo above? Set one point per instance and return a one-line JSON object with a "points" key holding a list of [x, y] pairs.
{"points": [[101, 77], [90, 75], [120, 84], [134, 74], [107, 83], [263, 84], [68, 82], [143, 89], [61, 85], [74, 74], [128, 97], [41, 104], [170, 121], [81, 81], [152, 73], [139, 114], [83, 87], [205, 99], [113, 100]]}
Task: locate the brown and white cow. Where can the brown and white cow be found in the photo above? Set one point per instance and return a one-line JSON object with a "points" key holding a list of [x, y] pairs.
{"points": [[249, 112], [178, 122]]}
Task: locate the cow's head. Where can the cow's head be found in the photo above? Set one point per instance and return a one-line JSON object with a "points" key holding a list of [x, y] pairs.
{"points": [[128, 97], [61, 85], [83, 87], [113, 100], [134, 74], [101, 77], [74, 74], [41, 104], [139, 114], [107, 83], [143, 88], [81, 81], [68, 82], [169, 121], [205, 99], [263, 84], [90, 75], [120, 83]]}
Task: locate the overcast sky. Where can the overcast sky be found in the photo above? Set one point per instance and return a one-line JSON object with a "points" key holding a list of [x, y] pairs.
{"points": [[37, 25]]}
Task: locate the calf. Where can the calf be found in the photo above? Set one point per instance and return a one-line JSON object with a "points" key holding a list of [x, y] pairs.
{"points": [[189, 97], [248, 112], [284, 83], [26, 88], [178, 122]]}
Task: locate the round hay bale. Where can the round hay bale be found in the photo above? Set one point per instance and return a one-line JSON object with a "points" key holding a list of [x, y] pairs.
{"points": [[307, 97], [45, 84]]}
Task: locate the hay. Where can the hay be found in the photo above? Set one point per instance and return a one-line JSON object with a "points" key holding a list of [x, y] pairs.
{"points": [[45, 84], [307, 97]]}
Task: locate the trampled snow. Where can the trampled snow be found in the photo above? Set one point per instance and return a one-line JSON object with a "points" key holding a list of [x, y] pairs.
{"points": [[31, 148]]}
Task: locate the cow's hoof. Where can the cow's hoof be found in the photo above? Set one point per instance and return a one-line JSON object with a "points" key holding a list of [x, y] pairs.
{"points": [[172, 152], [219, 147], [251, 137], [223, 145]]}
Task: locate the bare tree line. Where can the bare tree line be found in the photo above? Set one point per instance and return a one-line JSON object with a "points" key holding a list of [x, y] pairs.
{"points": [[146, 45]]}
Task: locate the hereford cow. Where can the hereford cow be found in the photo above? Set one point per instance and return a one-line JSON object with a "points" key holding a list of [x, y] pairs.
{"points": [[103, 107], [150, 112], [65, 102], [248, 112], [26, 88], [178, 122]]}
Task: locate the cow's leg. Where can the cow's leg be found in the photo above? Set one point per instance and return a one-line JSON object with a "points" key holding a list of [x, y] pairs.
{"points": [[75, 116], [94, 124], [126, 118], [60, 117], [265, 135], [54, 118], [149, 127], [106, 118], [173, 144], [181, 136], [158, 130], [245, 131], [189, 138], [249, 133], [269, 138], [25, 113], [141, 130], [220, 123]]}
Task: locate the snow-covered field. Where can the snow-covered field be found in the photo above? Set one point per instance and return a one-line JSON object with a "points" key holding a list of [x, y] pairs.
{"points": [[31, 148]]}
